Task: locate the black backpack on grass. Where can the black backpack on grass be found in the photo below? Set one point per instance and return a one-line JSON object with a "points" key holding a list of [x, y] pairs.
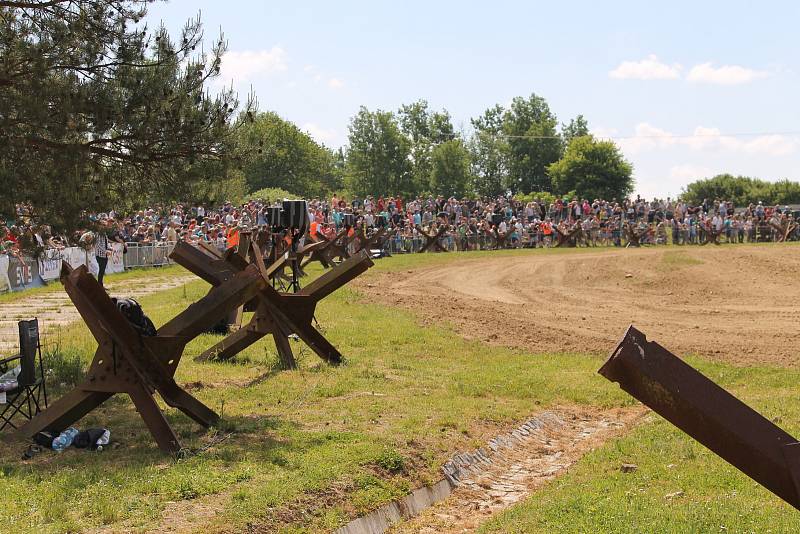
{"points": [[132, 311]]}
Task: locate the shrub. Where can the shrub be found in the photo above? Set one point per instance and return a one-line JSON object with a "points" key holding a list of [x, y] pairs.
{"points": [[270, 194], [391, 460]]}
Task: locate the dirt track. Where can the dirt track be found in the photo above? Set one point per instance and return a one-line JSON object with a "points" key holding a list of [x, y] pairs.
{"points": [[733, 303]]}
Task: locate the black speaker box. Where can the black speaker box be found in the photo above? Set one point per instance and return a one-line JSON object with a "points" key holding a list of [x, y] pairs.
{"points": [[295, 215], [274, 216]]}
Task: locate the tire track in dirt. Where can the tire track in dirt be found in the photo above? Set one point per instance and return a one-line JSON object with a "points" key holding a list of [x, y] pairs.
{"points": [[734, 303]]}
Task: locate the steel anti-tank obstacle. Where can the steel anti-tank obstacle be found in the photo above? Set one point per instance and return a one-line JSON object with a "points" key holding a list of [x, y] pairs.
{"points": [[433, 240], [708, 413], [127, 362], [276, 313]]}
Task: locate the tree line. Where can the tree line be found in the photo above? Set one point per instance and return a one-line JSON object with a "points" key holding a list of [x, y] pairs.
{"points": [[417, 150], [98, 111], [742, 190]]}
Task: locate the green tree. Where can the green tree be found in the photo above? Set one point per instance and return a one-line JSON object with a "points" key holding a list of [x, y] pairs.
{"points": [[378, 157], [450, 169], [96, 111], [534, 143], [742, 190], [593, 169], [489, 153], [425, 130], [276, 153], [577, 127]]}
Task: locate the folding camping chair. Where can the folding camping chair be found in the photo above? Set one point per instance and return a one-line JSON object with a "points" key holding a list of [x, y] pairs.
{"points": [[29, 396]]}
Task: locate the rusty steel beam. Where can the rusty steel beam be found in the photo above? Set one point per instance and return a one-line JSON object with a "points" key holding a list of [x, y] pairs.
{"points": [[332, 280], [127, 363], [432, 240], [707, 412]]}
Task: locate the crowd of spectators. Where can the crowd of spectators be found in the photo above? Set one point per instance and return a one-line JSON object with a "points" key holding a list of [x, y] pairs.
{"points": [[464, 224]]}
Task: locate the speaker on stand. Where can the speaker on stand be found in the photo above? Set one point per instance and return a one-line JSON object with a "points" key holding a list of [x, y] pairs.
{"points": [[295, 223], [274, 217]]}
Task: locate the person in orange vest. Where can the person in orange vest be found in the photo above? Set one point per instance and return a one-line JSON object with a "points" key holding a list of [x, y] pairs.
{"points": [[547, 230], [232, 236], [312, 229]]}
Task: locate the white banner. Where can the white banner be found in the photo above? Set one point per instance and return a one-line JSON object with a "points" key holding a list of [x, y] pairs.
{"points": [[5, 283], [50, 265], [75, 256], [116, 262], [91, 263]]}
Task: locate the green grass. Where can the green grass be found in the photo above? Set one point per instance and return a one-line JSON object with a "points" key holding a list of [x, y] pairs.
{"points": [[372, 429], [679, 258], [304, 451], [679, 486]]}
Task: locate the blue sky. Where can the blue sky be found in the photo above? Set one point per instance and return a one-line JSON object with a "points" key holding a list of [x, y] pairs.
{"points": [[671, 83]]}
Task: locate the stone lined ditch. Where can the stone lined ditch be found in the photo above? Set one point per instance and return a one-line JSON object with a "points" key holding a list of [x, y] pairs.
{"points": [[483, 482]]}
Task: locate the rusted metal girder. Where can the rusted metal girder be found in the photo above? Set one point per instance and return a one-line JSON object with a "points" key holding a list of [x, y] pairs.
{"points": [[569, 238], [327, 251], [432, 240], [708, 413], [372, 242], [276, 313], [500, 239]]}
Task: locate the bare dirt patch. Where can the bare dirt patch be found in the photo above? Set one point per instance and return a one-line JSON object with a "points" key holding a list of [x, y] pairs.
{"points": [[739, 304]]}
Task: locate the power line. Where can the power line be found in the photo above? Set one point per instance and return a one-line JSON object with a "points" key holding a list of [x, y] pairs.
{"points": [[654, 136]]}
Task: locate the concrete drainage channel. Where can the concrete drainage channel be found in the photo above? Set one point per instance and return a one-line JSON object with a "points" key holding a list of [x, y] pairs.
{"points": [[489, 479]]}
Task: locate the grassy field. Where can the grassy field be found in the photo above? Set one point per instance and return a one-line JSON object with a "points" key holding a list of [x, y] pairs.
{"points": [[679, 486], [304, 451]]}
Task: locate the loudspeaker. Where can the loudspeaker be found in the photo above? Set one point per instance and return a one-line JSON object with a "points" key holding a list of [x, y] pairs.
{"points": [[295, 215], [348, 219], [274, 217]]}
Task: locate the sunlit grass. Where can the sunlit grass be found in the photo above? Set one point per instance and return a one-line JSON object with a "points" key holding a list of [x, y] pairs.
{"points": [[311, 448]]}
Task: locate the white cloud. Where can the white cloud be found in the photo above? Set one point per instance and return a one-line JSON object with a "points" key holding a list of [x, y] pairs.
{"points": [[649, 68], [309, 68], [323, 135], [242, 66], [335, 83], [773, 145], [601, 132], [689, 172], [724, 75], [648, 137]]}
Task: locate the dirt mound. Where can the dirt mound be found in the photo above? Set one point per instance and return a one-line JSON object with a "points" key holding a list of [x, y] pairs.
{"points": [[738, 303]]}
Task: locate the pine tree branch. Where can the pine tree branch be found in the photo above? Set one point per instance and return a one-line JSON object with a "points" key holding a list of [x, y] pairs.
{"points": [[31, 5]]}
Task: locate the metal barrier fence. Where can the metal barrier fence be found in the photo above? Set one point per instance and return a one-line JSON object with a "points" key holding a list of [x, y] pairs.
{"points": [[151, 255], [398, 244]]}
